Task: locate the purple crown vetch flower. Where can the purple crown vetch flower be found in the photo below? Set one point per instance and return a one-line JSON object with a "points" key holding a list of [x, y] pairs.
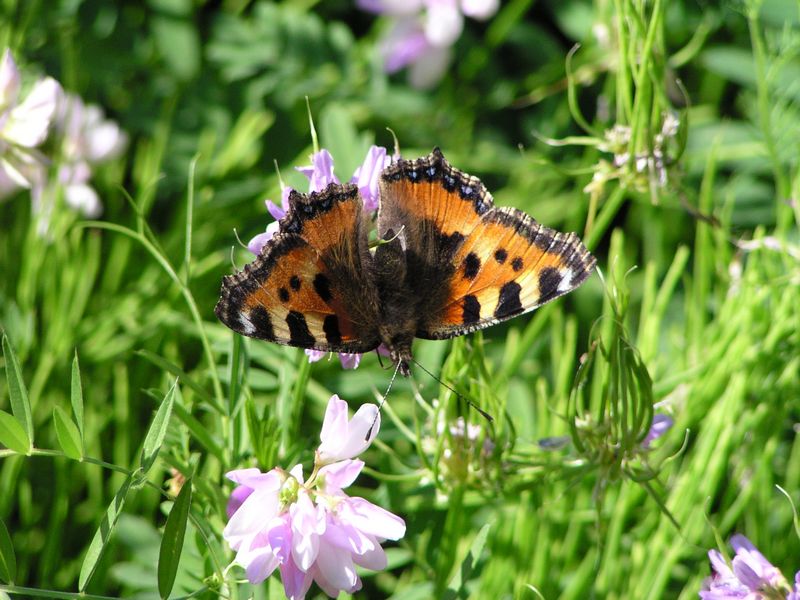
{"points": [[749, 576], [310, 529], [320, 174], [423, 32]]}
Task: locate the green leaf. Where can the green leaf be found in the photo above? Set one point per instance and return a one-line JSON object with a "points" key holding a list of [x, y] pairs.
{"points": [[103, 534], [20, 405], [8, 561], [158, 429], [69, 438], [77, 395], [169, 554], [457, 586], [12, 435]]}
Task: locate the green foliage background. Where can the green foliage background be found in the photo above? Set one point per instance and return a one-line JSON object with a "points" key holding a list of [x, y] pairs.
{"points": [[213, 93]]}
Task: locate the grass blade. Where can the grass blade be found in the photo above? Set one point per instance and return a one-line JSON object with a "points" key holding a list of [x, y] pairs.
{"points": [[169, 554], [69, 438], [8, 560], [102, 535], [20, 405], [456, 589], [158, 429], [12, 435]]}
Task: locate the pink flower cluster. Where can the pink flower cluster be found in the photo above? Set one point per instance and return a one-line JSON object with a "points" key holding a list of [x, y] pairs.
{"points": [[310, 529], [423, 32], [750, 575], [320, 174], [78, 137]]}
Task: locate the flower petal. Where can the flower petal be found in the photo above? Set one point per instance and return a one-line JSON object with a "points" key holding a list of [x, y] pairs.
{"points": [[238, 496], [372, 519], [373, 559], [340, 474], [295, 581], [480, 9], [349, 361], [256, 244], [306, 524], [334, 424], [255, 479], [424, 74], [336, 567], [405, 44], [82, 197], [341, 441], [443, 23], [320, 174], [9, 81], [252, 517], [367, 176], [29, 122]]}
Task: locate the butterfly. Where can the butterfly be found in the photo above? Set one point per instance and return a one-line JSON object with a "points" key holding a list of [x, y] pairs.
{"points": [[448, 262]]}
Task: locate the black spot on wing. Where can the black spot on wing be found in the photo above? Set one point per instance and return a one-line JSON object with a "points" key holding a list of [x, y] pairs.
{"points": [[549, 279], [331, 328], [516, 264], [509, 301], [472, 264], [262, 322], [472, 310], [299, 335], [322, 286], [294, 283], [283, 294], [500, 255]]}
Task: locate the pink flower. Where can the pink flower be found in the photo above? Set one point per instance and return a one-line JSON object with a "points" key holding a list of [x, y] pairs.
{"points": [[342, 438], [23, 126], [309, 530], [423, 32], [87, 139], [750, 575]]}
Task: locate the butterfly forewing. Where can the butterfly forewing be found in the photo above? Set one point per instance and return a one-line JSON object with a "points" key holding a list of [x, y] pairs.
{"points": [[309, 287]]}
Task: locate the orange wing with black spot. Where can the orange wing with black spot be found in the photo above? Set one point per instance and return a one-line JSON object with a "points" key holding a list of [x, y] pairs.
{"points": [[473, 264], [310, 287]]}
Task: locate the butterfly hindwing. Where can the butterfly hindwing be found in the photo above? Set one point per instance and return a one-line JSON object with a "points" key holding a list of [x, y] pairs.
{"points": [[509, 266], [479, 264], [309, 287]]}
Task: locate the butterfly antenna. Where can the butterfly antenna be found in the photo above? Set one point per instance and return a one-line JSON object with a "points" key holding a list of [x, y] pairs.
{"points": [[482, 412], [233, 260], [391, 382]]}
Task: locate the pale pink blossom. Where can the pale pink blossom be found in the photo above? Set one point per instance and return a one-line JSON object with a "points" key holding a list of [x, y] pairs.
{"points": [[86, 139], [310, 530], [750, 575], [423, 32], [344, 438], [24, 125]]}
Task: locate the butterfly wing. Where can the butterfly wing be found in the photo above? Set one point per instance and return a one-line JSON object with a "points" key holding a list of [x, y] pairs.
{"points": [[310, 287], [486, 264]]}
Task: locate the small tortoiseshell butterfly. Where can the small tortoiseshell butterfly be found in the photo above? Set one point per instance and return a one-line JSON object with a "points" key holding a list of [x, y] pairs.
{"points": [[449, 262]]}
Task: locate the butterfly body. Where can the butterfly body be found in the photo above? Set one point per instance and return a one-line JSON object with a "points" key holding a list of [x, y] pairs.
{"points": [[448, 262]]}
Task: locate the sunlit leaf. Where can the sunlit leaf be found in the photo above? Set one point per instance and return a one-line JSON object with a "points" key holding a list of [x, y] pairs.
{"points": [[103, 535], [20, 405], [169, 555], [69, 438], [158, 429]]}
